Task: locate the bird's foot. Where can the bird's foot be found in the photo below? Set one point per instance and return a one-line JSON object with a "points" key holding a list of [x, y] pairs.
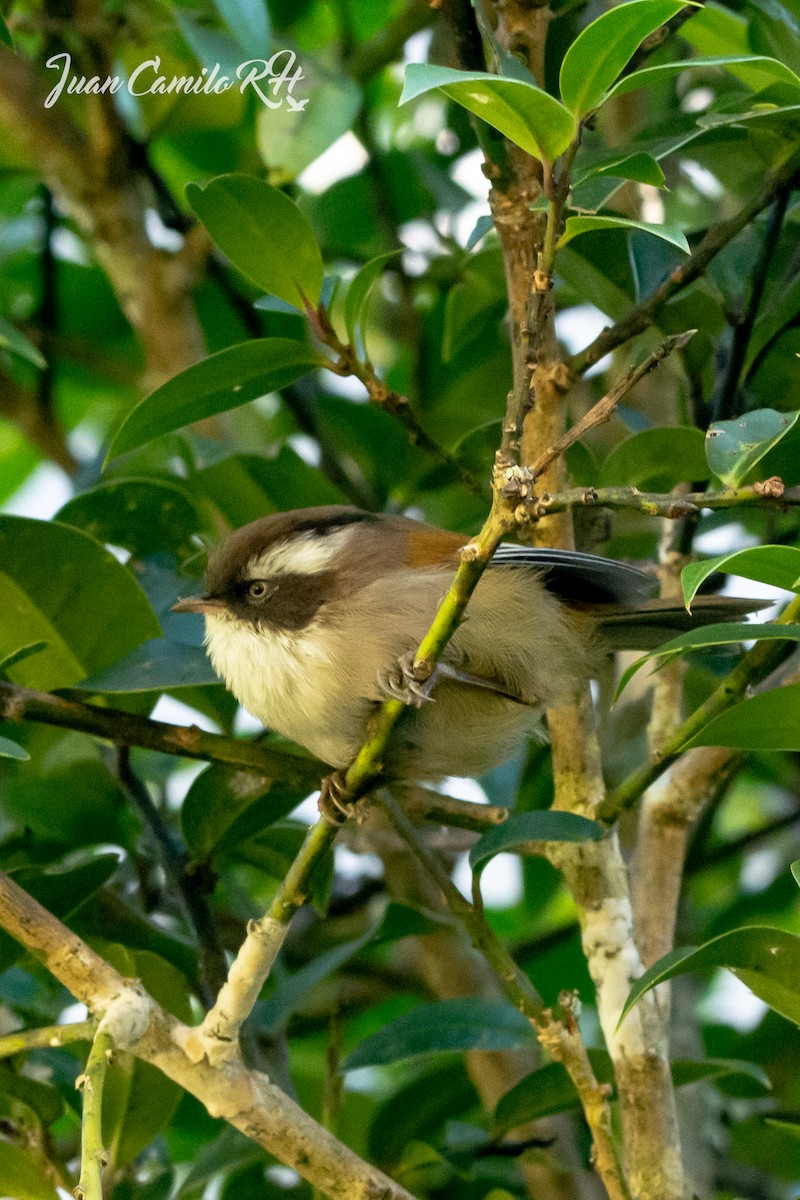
{"points": [[407, 683], [335, 804]]}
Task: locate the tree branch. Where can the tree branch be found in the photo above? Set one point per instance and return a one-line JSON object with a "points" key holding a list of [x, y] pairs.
{"points": [[244, 1098], [717, 237], [93, 1155]]}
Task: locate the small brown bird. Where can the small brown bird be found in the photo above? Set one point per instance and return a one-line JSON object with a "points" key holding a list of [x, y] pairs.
{"points": [[310, 613]]}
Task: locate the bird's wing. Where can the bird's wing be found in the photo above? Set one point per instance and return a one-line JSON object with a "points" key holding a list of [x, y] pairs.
{"points": [[580, 578]]}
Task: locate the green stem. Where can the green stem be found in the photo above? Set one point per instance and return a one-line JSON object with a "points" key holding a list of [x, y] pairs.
{"points": [[49, 1035], [93, 1155], [664, 504], [754, 666]]}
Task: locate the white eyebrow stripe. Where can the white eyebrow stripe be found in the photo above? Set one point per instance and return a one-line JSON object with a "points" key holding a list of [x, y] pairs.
{"points": [[306, 554]]}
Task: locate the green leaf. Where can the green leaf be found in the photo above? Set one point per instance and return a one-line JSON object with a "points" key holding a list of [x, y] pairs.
{"points": [[550, 1090], [59, 891], [248, 21], [733, 448], [225, 380], [357, 299], [775, 565], [526, 115], [5, 33], [466, 1024], [770, 721], [604, 48], [782, 310], [521, 829], [712, 635], [21, 1175], [9, 749], [264, 234], [143, 514], [660, 458], [221, 796], [761, 72], [293, 986], [10, 337], [159, 665], [766, 960], [21, 653], [575, 226], [61, 587], [290, 140], [796, 871]]}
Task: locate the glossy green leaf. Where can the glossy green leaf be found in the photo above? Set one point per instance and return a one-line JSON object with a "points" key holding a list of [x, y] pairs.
{"points": [[784, 117], [575, 226], [761, 72], [766, 960], [712, 635], [733, 448], [159, 665], [264, 234], [248, 21], [520, 830], [466, 1024], [5, 33], [221, 796], [225, 380], [61, 587], [9, 749], [13, 341], [356, 301], [600, 53], [796, 871], [141, 513], [23, 1176], [550, 1090], [769, 721], [775, 565], [527, 116], [659, 458]]}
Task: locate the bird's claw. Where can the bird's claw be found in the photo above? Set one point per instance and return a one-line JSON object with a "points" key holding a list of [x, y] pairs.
{"points": [[402, 682], [334, 801]]}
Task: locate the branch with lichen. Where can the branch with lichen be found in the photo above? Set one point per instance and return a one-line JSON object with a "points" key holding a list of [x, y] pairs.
{"points": [[770, 494], [93, 1154], [135, 1022]]}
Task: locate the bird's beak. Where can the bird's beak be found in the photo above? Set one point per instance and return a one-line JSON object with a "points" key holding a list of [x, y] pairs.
{"points": [[200, 604]]}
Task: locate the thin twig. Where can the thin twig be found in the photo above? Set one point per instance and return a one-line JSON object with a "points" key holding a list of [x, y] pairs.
{"points": [[46, 1037], [723, 404], [175, 861], [770, 494], [717, 237], [93, 1154], [604, 409]]}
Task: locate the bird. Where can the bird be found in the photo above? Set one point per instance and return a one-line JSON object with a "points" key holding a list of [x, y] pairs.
{"points": [[312, 618]]}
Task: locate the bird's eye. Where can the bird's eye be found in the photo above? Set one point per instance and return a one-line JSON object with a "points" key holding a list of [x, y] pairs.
{"points": [[257, 590]]}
